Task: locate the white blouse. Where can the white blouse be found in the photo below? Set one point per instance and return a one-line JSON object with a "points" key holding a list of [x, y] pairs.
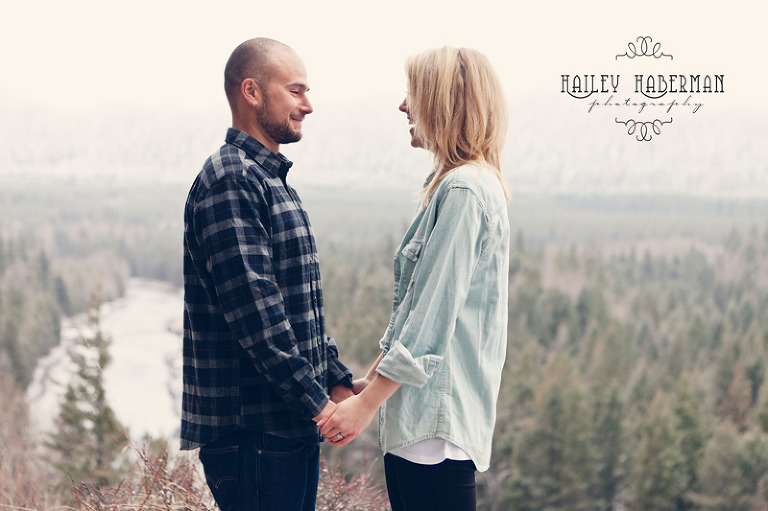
{"points": [[431, 452]]}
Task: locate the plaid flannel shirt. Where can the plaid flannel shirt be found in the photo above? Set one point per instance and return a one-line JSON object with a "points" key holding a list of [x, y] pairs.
{"points": [[256, 355]]}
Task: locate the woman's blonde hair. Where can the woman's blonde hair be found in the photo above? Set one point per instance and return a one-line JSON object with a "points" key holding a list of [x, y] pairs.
{"points": [[457, 104]]}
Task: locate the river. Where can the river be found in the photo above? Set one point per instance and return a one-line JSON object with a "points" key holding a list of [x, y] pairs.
{"points": [[143, 380]]}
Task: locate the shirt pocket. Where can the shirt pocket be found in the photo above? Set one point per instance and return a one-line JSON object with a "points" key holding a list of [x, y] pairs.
{"points": [[411, 253]]}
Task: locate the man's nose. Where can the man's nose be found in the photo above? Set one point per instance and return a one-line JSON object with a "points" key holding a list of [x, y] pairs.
{"points": [[306, 107]]}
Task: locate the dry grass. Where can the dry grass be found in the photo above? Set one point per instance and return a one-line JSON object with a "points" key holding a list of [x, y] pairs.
{"points": [[158, 480], [358, 493], [171, 483], [161, 482], [23, 476]]}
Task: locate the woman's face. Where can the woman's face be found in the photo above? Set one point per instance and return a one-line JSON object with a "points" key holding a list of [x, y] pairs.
{"points": [[415, 142]]}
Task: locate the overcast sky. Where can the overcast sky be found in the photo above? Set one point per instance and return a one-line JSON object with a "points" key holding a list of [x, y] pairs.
{"points": [[171, 54], [159, 58]]}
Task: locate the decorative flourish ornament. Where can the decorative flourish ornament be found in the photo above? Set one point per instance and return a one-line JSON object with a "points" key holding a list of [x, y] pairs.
{"points": [[647, 48], [643, 128]]}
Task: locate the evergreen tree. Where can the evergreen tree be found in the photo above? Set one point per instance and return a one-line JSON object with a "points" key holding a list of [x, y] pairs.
{"points": [[30, 317], [88, 440], [691, 438], [719, 471], [725, 370], [734, 471], [761, 410], [11, 321], [608, 440], [658, 475], [4, 255], [756, 375], [555, 466], [553, 311], [591, 307], [737, 402], [753, 462]]}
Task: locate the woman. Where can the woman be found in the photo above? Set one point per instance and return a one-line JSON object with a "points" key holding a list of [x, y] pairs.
{"points": [[438, 377]]}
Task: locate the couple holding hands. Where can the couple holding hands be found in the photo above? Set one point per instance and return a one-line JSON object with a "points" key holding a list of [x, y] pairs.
{"points": [[263, 383]]}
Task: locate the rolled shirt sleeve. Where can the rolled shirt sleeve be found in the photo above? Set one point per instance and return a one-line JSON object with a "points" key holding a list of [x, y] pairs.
{"points": [[400, 365], [338, 373]]}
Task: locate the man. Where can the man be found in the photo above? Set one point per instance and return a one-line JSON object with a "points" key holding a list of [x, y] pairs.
{"points": [[259, 370]]}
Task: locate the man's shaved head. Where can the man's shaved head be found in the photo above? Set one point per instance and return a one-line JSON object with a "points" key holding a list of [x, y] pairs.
{"points": [[251, 59]]}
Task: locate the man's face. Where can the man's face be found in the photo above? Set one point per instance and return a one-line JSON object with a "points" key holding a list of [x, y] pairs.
{"points": [[284, 99]]}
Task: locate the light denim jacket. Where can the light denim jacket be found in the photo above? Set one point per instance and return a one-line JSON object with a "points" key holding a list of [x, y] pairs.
{"points": [[446, 339]]}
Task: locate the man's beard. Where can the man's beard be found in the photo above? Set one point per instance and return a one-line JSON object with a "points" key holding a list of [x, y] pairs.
{"points": [[279, 131]]}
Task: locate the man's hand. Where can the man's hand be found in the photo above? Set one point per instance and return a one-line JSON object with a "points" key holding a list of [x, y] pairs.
{"points": [[325, 414], [359, 385], [339, 393]]}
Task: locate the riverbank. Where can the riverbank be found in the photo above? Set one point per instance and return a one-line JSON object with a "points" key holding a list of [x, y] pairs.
{"points": [[143, 381]]}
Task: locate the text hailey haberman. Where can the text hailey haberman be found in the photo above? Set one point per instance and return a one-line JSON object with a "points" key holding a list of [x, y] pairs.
{"points": [[668, 91]]}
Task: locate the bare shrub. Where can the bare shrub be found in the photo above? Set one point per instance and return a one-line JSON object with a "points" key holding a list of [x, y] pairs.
{"points": [[23, 476], [359, 492], [162, 482], [170, 483]]}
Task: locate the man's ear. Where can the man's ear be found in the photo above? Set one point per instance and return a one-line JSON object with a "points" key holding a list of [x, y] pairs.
{"points": [[251, 92]]}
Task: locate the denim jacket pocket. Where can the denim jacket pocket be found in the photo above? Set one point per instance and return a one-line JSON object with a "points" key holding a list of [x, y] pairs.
{"points": [[411, 253], [412, 250]]}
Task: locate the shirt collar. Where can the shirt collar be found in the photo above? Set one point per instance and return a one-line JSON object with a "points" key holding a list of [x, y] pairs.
{"points": [[276, 164]]}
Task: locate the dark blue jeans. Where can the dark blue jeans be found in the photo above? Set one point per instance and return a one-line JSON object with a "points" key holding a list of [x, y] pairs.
{"points": [[449, 485], [259, 472]]}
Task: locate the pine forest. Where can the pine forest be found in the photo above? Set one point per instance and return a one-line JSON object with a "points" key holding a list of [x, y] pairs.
{"points": [[635, 376]]}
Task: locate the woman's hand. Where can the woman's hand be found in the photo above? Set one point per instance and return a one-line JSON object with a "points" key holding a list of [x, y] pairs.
{"points": [[350, 418], [353, 415]]}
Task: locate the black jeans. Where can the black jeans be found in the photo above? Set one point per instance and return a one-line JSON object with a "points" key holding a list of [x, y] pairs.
{"points": [[447, 486], [261, 472]]}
